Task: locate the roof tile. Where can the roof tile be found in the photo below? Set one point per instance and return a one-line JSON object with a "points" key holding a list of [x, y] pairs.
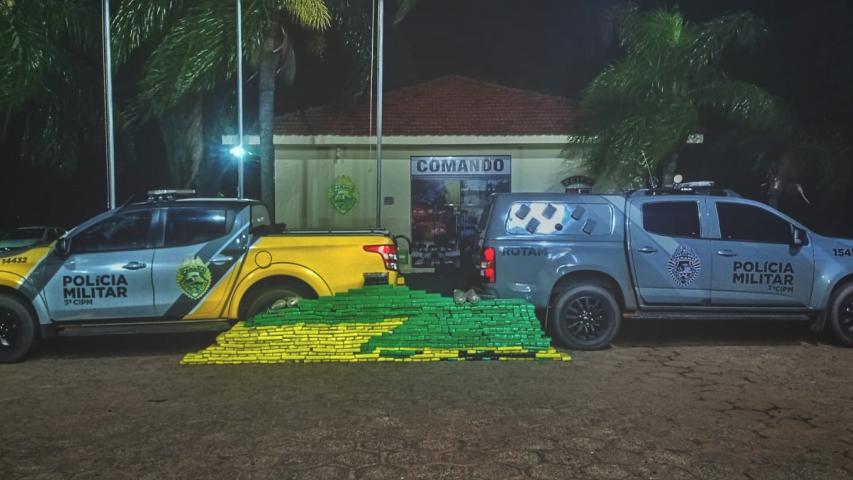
{"points": [[450, 105]]}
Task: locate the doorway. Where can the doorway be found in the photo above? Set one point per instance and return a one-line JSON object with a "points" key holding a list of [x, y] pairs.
{"points": [[446, 209]]}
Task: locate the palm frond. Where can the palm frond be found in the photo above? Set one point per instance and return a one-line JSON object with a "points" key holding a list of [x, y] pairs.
{"points": [[713, 38], [196, 54], [37, 36], [311, 14], [647, 34], [745, 103], [649, 101], [26, 54], [351, 31], [139, 21], [644, 137], [404, 7]]}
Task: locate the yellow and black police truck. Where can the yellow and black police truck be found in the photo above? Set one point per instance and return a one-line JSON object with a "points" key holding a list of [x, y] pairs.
{"points": [[173, 259]]}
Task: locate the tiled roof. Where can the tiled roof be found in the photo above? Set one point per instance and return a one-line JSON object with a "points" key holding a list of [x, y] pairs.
{"points": [[451, 105]]}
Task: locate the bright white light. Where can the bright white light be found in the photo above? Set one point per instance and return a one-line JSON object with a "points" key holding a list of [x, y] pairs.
{"points": [[238, 151]]}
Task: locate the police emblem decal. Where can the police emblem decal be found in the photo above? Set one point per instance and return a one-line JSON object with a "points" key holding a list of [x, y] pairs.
{"points": [[343, 194], [684, 266], [193, 278]]}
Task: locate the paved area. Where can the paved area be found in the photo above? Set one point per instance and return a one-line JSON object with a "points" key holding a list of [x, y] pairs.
{"points": [[668, 401]]}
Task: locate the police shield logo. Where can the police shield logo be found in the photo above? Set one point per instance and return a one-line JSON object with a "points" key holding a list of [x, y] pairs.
{"points": [[343, 194], [684, 266], [193, 278]]}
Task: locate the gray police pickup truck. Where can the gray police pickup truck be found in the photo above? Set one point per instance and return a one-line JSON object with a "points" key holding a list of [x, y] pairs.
{"points": [[692, 251]]}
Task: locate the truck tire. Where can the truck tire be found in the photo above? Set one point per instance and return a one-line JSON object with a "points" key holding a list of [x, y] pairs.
{"points": [[266, 297], [586, 317], [841, 315], [18, 330]]}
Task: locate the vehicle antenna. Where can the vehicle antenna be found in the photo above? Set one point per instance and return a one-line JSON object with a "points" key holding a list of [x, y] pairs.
{"points": [[652, 181]]}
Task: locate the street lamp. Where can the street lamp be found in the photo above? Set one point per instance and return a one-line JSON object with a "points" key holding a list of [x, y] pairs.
{"points": [[238, 152]]}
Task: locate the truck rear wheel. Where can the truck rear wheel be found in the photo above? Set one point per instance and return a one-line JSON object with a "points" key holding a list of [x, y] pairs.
{"points": [[18, 333], [262, 300], [841, 315], [586, 317]]}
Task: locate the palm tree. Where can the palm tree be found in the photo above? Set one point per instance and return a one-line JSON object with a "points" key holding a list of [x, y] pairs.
{"points": [[45, 44], [670, 81], [195, 53], [187, 49]]}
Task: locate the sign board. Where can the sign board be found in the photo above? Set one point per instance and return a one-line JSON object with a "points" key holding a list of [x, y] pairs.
{"points": [[463, 166]]}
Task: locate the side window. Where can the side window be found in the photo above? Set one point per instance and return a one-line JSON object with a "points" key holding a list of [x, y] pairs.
{"points": [[558, 218], [123, 231], [188, 226], [51, 235], [673, 219], [748, 223]]}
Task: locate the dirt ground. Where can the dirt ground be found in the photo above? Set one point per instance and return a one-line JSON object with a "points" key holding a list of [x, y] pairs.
{"points": [[669, 400]]}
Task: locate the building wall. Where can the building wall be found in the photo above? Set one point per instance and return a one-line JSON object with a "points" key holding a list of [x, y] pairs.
{"points": [[305, 169]]}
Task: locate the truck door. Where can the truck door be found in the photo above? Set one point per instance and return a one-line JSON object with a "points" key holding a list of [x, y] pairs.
{"points": [[670, 257], [201, 245], [754, 262], [107, 273]]}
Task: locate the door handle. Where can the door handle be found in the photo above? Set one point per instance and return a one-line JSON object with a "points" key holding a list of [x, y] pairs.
{"points": [[726, 253], [221, 259], [134, 266], [648, 249]]}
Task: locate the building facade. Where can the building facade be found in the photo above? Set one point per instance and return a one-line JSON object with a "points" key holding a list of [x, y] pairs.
{"points": [[447, 145]]}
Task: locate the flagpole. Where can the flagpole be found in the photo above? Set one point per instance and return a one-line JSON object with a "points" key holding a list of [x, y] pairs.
{"points": [[380, 23], [240, 192], [108, 108]]}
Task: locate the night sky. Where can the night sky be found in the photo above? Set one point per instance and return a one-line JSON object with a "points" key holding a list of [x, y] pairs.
{"points": [[549, 46]]}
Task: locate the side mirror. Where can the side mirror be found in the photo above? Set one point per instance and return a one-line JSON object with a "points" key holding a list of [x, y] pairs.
{"points": [[798, 237], [269, 229], [62, 247]]}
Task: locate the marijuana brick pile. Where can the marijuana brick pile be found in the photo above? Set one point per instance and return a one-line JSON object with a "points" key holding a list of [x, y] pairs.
{"points": [[384, 323]]}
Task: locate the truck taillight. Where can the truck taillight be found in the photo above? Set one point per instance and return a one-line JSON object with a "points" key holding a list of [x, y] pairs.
{"points": [[388, 252], [487, 266]]}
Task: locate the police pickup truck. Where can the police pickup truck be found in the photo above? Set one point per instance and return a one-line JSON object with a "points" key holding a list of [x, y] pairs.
{"points": [[177, 260], [692, 251]]}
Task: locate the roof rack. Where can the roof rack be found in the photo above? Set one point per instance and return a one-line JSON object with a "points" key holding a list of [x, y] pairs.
{"points": [[688, 188], [694, 185], [166, 195]]}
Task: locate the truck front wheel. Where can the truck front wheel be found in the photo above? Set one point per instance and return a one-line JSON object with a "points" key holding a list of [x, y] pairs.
{"points": [[18, 334], [585, 317], [841, 315], [263, 299]]}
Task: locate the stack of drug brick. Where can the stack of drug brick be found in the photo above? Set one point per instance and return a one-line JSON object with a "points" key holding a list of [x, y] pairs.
{"points": [[382, 324]]}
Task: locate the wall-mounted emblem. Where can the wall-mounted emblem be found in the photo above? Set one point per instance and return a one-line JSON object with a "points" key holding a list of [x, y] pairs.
{"points": [[193, 278], [578, 184], [684, 266], [343, 194]]}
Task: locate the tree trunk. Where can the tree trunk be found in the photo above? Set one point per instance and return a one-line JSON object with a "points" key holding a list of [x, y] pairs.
{"points": [[182, 133], [670, 165], [266, 110]]}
